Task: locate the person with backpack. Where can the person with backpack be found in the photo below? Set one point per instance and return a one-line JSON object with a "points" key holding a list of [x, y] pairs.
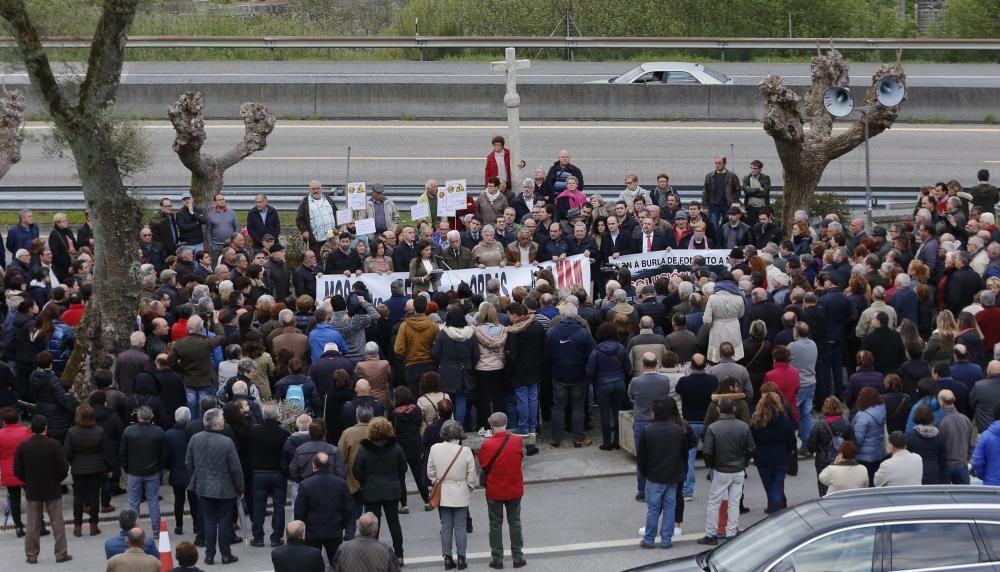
{"points": [[826, 438], [298, 388]]}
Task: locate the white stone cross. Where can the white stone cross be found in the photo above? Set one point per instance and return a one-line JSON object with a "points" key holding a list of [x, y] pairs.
{"points": [[513, 101]]}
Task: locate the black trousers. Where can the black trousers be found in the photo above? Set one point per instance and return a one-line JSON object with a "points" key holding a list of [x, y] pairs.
{"points": [[87, 491], [491, 395], [330, 545], [192, 500], [417, 470], [14, 494], [392, 517]]}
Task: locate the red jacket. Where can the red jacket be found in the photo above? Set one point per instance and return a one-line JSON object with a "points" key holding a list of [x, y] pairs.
{"points": [[786, 378], [179, 329], [989, 322], [505, 480], [491, 166], [10, 437], [73, 315]]}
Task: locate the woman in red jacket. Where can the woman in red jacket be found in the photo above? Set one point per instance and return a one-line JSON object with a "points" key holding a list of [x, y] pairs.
{"points": [[498, 165], [11, 435]]}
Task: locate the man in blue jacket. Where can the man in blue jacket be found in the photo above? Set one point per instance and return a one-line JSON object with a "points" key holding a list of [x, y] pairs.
{"points": [[20, 235], [986, 457], [569, 345], [324, 334], [117, 544]]}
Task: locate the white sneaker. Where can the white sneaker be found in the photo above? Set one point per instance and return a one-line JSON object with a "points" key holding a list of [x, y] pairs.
{"points": [[678, 531], [486, 433], [642, 531]]}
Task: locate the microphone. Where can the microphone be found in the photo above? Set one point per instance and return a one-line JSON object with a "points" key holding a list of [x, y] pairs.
{"points": [[440, 259]]}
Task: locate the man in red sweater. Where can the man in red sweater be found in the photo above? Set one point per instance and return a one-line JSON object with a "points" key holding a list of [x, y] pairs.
{"points": [[500, 456], [72, 316]]}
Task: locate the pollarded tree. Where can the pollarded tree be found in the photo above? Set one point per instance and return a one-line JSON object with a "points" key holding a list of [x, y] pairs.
{"points": [[208, 172], [805, 153], [12, 116], [81, 115]]}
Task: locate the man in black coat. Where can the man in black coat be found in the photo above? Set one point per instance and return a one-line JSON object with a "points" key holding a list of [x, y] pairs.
{"points": [[962, 285], [661, 457], [324, 504], [765, 230], [297, 556], [885, 344], [267, 440], [304, 277], [649, 306], [262, 220], [763, 309], [189, 223], [555, 180], [41, 464]]}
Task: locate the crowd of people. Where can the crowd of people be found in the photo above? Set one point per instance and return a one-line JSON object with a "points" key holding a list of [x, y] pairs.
{"points": [[869, 351]]}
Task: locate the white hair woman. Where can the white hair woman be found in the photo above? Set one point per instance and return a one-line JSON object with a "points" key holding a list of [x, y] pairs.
{"points": [[453, 465]]}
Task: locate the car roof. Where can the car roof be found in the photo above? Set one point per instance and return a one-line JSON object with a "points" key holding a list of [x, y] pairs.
{"points": [[671, 66], [895, 502]]}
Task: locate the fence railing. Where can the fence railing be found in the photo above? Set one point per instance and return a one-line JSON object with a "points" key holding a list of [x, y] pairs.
{"points": [[571, 42], [288, 197]]}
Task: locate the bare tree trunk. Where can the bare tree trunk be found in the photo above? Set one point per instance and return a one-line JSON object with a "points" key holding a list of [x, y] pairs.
{"points": [[208, 172], [805, 152], [12, 116], [87, 127]]}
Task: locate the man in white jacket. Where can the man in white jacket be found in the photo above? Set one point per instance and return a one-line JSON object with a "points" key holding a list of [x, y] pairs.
{"points": [[903, 468]]}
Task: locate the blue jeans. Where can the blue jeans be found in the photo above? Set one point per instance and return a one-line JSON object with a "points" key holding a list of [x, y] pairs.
{"points": [[148, 487], [661, 502], [956, 474], [773, 478], [609, 397], [715, 217], [699, 433], [804, 399], [218, 514], [458, 400], [527, 409], [269, 484], [574, 394], [194, 396], [637, 428]]}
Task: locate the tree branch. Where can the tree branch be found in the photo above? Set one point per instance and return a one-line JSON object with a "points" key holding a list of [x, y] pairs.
{"points": [[827, 70], [259, 123], [12, 114], [36, 61], [107, 54], [879, 119], [782, 120], [186, 116]]}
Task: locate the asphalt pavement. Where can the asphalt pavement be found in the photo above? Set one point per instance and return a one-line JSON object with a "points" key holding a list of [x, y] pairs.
{"points": [[409, 152], [578, 513], [552, 72]]}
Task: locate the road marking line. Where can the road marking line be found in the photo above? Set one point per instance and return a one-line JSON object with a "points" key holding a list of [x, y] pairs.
{"points": [[288, 126], [548, 550]]}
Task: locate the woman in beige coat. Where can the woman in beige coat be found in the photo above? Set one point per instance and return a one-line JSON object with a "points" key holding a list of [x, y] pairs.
{"points": [[456, 488], [845, 473]]}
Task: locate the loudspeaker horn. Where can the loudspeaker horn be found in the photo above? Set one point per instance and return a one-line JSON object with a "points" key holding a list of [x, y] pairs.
{"points": [[890, 91], [838, 101]]}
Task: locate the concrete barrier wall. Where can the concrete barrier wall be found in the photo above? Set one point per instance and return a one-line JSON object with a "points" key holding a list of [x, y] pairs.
{"points": [[539, 101]]}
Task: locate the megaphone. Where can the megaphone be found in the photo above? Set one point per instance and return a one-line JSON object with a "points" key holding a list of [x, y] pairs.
{"points": [[890, 91], [838, 101]]}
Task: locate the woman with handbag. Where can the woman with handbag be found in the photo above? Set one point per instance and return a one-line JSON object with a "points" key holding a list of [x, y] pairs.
{"points": [[452, 468]]}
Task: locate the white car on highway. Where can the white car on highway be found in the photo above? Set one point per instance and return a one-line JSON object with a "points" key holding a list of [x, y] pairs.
{"points": [[670, 73]]}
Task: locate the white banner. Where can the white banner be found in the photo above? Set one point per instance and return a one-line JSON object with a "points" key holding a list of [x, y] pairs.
{"points": [[573, 270]]}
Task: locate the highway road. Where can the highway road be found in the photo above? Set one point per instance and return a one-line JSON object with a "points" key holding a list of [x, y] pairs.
{"points": [[973, 75], [404, 152]]}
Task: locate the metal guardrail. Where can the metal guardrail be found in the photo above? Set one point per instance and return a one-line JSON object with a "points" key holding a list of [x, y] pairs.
{"points": [[286, 198], [571, 42]]}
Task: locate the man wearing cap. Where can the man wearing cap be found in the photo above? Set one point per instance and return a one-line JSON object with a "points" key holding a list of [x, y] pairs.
{"points": [[735, 233], [189, 224], [765, 230], [315, 217], [383, 210], [164, 226], [682, 228], [279, 278], [262, 220]]}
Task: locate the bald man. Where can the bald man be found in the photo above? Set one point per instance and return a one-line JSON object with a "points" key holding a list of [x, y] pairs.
{"points": [[362, 396], [297, 556], [134, 559], [324, 504], [959, 440]]}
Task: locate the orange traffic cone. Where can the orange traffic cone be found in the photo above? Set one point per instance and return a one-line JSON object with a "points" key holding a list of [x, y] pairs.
{"points": [[166, 554]]}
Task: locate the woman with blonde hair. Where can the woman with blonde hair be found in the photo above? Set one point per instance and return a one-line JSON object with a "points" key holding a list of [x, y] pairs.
{"points": [[492, 387], [942, 341], [774, 437]]}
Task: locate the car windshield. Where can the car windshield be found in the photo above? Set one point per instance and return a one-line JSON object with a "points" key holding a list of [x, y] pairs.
{"points": [[756, 544], [723, 78]]}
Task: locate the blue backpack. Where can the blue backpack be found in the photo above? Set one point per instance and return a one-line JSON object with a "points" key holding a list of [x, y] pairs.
{"points": [[296, 396]]}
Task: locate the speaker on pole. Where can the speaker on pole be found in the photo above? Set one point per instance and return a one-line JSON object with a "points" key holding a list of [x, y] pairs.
{"points": [[838, 101], [890, 91]]}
